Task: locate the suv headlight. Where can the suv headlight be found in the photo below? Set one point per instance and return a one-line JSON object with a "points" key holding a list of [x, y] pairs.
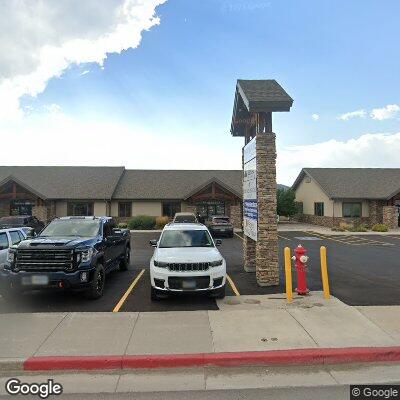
{"points": [[85, 255], [11, 256], [216, 263]]}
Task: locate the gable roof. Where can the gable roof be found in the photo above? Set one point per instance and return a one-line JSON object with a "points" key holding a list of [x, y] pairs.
{"points": [[173, 184], [65, 182], [354, 183]]}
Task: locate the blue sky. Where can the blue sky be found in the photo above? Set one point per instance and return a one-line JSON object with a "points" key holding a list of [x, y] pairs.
{"points": [[178, 84]]}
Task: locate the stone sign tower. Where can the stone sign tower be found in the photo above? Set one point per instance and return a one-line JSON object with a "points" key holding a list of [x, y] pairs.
{"points": [[255, 101]]}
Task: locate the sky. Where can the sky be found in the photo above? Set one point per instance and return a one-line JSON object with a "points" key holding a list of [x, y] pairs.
{"points": [[150, 83]]}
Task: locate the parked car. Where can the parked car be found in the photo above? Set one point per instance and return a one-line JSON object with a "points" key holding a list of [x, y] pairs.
{"points": [[18, 221], [220, 225], [9, 237], [186, 259], [70, 253], [184, 217]]}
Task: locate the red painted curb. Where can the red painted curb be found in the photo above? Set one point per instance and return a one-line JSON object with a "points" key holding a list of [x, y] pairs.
{"points": [[274, 357]]}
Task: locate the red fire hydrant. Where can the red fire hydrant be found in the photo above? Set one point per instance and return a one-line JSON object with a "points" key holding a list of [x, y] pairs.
{"points": [[301, 259]]}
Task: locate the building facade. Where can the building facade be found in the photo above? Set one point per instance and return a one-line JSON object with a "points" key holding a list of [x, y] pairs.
{"points": [[48, 192], [348, 196]]}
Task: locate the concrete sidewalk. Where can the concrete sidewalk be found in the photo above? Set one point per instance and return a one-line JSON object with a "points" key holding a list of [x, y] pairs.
{"points": [[243, 324]]}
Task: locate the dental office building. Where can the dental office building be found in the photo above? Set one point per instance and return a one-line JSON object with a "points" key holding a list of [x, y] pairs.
{"points": [[48, 192], [356, 196]]}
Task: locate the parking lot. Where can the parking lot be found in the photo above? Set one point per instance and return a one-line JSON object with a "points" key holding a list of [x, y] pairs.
{"points": [[363, 270]]}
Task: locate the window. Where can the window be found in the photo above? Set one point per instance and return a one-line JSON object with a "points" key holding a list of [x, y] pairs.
{"points": [[80, 209], [171, 208], [125, 209], [352, 210], [21, 236], [319, 209], [3, 241], [15, 238], [198, 238]]}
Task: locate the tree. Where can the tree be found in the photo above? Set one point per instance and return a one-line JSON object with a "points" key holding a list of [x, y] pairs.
{"points": [[286, 205]]}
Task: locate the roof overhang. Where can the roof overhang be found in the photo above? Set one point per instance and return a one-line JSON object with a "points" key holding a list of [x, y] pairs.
{"points": [[24, 185], [257, 96]]}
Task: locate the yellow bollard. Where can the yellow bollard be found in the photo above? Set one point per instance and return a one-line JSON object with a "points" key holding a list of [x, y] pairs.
{"points": [[324, 272], [288, 275]]}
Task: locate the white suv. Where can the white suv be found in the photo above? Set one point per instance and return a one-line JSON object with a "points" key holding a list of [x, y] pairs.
{"points": [[186, 259]]}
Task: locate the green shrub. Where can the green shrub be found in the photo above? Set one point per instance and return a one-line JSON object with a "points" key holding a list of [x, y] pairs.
{"points": [[380, 228], [161, 222], [339, 229], [142, 222], [359, 228], [122, 225]]}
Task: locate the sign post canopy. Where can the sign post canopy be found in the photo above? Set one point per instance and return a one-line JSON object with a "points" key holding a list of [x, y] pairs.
{"points": [[257, 96]]}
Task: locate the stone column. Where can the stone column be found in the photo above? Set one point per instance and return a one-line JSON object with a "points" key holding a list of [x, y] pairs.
{"points": [[249, 251], [390, 217], [267, 266], [236, 216]]}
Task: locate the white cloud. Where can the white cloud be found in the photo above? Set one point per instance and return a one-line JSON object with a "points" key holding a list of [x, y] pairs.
{"points": [[58, 34], [353, 114], [369, 150], [387, 112], [50, 137], [315, 117], [84, 72]]}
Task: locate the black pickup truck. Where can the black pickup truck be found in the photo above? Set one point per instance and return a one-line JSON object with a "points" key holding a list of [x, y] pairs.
{"points": [[70, 253]]}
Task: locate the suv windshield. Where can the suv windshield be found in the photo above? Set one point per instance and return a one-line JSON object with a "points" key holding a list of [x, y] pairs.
{"points": [[197, 238], [72, 227]]}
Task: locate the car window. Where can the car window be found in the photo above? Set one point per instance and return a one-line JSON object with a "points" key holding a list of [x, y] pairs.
{"points": [[21, 235], [186, 238], [15, 238], [3, 241], [107, 230], [185, 218]]}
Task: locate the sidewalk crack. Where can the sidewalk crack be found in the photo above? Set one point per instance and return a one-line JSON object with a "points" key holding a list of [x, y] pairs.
{"points": [[130, 336], [304, 329], [211, 332], [52, 331]]}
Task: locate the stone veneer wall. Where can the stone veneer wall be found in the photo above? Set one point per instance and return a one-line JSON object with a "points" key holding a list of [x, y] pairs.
{"points": [[267, 266], [40, 212], [236, 216], [330, 222], [249, 251], [375, 211], [389, 217]]}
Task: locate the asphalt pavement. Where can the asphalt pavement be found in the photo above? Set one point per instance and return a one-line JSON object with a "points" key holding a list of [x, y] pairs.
{"points": [[363, 270]]}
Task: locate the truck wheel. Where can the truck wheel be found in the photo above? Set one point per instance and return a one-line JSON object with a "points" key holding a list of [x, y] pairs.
{"points": [[96, 288], [154, 295], [124, 264]]}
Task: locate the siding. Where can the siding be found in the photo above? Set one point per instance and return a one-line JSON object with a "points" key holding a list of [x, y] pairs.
{"points": [[99, 208], [308, 193], [151, 208]]}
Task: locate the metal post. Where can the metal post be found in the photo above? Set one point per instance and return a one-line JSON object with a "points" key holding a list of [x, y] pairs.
{"points": [[288, 275], [324, 273]]}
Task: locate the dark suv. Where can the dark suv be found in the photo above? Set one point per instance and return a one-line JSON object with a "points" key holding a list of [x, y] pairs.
{"points": [[220, 225], [70, 253], [19, 221]]}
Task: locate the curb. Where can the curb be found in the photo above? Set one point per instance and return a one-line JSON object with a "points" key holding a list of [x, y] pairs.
{"points": [[318, 356]]}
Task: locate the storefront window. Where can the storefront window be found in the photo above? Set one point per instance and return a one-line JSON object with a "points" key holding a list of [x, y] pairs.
{"points": [[209, 208], [352, 210], [319, 209], [83, 209], [125, 209], [20, 207], [169, 209]]}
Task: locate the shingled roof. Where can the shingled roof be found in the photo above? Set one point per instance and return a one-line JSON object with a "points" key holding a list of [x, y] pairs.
{"points": [[65, 182], [173, 184], [354, 183]]}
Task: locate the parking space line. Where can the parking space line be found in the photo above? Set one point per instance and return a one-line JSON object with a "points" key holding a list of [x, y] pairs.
{"points": [[241, 237], [127, 293], [233, 286], [283, 237]]}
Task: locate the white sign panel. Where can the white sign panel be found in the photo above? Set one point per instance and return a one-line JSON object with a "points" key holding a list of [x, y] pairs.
{"points": [[250, 206]]}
